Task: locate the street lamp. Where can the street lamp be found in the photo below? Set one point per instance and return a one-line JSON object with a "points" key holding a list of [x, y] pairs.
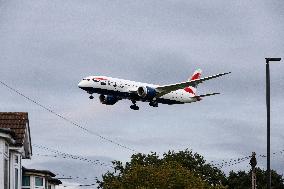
{"points": [[268, 118]]}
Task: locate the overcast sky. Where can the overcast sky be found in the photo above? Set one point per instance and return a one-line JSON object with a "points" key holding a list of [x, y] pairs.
{"points": [[48, 46]]}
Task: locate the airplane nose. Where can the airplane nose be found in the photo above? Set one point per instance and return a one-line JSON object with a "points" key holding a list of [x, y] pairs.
{"points": [[80, 84]]}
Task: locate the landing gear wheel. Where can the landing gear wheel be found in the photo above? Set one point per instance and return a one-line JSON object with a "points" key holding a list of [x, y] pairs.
{"points": [[91, 97], [134, 107], [153, 103]]}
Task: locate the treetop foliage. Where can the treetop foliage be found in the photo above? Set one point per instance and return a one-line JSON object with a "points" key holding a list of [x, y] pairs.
{"points": [[179, 170]]}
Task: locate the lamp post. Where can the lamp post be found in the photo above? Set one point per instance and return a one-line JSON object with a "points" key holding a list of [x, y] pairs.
{"points": [[268, 172]]}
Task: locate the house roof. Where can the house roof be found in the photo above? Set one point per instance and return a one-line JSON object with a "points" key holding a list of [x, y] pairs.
{"points": [[47, 174], [17, 122], [35, 171]]}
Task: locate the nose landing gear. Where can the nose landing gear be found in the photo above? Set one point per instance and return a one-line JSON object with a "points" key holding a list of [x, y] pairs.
{"points": [[91, 95], [134, 106]]}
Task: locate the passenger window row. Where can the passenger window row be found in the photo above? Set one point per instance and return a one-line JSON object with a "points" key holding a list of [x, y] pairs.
{"points": [[112, 83], [115, 84]]}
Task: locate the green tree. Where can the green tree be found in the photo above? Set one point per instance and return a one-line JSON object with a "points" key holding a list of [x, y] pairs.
{"points": [[181, 170], [197, 164], [242, 180]]}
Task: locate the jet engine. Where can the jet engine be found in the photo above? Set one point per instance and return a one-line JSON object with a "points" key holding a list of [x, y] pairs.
{"points": [[146, 92], [108, 99]]}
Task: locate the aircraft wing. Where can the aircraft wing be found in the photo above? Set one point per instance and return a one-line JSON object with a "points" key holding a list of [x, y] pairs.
{"points": [[165, 89]]}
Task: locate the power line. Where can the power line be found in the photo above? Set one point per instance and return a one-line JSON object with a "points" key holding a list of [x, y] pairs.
{"points": [[224, 163], [230, 162], [80, 185], [234, 161], [66, 119], [67, 155], [81, 159], [74, 177]]}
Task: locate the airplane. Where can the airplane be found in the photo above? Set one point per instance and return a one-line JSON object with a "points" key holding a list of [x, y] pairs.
{"points": [[112, 90]]}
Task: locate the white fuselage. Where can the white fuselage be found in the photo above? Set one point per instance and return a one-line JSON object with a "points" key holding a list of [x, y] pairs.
{"points": [[126, 89]]}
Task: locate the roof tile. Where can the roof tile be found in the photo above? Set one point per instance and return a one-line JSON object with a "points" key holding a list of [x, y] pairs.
{"points": [[17, 122]]}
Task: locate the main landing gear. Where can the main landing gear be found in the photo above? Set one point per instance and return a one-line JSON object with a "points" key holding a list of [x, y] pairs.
{"points": [[91, 97], [153, 103], [134, 106]]}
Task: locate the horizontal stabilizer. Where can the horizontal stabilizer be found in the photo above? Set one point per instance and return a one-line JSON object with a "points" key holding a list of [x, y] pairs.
{"points": [[209, 94], [199, 97]]}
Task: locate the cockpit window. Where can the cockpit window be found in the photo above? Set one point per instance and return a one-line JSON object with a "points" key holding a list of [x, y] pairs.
{"points": [[86, 79], [95, 80]]}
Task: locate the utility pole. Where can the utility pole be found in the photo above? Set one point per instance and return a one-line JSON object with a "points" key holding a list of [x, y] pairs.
{"points": [[268, 172], [253, 163]]}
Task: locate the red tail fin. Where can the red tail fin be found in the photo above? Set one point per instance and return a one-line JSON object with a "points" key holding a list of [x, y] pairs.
{"points": [[196, 75]]}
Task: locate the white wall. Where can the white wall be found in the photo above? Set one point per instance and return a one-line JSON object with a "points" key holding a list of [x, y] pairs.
{"points": [[2, 163], [11, 157], [3, 156], [13, 166]]}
